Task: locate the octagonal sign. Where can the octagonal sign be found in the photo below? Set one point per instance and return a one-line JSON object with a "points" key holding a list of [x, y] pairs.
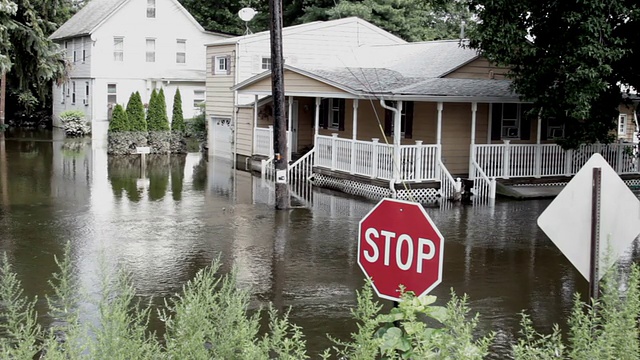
{"points": [[398, 244]]}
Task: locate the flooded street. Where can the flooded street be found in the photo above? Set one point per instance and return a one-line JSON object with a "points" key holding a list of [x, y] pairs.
{"points": [[188, 211]]}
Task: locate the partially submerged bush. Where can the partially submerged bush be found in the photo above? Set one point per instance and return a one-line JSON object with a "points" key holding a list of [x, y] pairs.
{"points": [[119, 121], [74, 123]]}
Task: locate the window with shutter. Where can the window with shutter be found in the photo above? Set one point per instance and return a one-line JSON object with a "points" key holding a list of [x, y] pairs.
{"points": [[406, 119]]}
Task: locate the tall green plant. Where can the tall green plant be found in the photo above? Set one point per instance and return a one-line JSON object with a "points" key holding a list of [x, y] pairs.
{"points": [[135, 113], [177, 120], [119, 121], [157, 114]]}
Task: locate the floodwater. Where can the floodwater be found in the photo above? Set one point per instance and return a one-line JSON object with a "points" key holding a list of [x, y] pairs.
{"points": [[186, 211]]}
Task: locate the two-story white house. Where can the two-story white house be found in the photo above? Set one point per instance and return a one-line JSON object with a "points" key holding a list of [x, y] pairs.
{"points": [[117, 47], [233, 60]]}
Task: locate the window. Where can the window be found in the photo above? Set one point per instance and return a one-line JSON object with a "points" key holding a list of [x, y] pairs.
{"points": [[266, 63], [181, 51], [75, 52], [221, 65], [118, 49], [86, 93], [73, 92], [151, 8], [151, 50], [510, 121], [84, 50], [112, 96], [64, 92], [555, 129], [622, 125], [66, 49], [406, 119], [336, 112], [198, 98]]}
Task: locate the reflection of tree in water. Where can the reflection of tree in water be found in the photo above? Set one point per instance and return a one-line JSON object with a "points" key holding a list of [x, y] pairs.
{"points": [[177, 175], [200, 175], [158, 168], [123, 173]]}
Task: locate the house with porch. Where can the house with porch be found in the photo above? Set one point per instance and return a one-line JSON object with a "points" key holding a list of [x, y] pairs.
{"points": [[413, 119], [117, 47]]}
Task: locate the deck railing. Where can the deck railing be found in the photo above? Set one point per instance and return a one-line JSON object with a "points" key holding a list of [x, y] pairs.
{"points": [[376, 160], [538, 160], [263, 141]]}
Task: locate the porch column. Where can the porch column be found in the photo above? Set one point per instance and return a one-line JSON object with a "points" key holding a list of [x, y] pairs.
{"points": [[255, 121], [472, 149], [439, 138], [290, 127], [538, 154], [317, 118], [354, 135], [397, 124]]}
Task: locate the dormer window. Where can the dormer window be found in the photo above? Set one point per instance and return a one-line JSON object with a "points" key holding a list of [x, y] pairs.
{"points": [[151, 9], [266, 63]]}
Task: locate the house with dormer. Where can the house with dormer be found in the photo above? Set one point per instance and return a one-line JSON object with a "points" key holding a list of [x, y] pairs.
{"points": [[117, 47]]}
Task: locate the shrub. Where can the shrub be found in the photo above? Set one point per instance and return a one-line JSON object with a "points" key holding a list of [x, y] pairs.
{"points": [[119, 121], [198, 125], [177, 120], [74, 123], [135, 113], [157, 114]]}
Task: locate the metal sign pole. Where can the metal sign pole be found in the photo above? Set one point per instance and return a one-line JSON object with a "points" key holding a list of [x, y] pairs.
{"points": [[595, 233]]}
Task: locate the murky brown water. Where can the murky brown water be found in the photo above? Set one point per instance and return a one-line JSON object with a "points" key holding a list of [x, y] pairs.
{"points": [[188, 211]]}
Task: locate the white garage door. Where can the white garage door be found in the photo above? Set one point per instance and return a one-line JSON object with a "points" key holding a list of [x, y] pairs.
{"points": [[222, 136]]}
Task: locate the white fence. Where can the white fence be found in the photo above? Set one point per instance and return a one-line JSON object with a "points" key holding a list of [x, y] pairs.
{"points": [[263, 141], [532, 160], [372, 159]]}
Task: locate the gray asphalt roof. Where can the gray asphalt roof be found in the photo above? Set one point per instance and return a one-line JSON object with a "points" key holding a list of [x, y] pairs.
{"points": [[459, 87], [85, 20], [365, 79]]}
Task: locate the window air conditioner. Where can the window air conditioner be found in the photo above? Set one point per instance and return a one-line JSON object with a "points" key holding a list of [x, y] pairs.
{"points": [[510, 132], [85, 102]]}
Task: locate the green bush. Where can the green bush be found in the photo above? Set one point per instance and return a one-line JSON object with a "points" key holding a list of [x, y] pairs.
{"points": [[177, 120], [157, 113], [74, 123], [197, 127], [135, 113], [119, 121]]}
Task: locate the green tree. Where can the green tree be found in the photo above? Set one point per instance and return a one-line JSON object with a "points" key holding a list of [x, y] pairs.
{"points": [[569, 58], [177, 120], [119, 121], [157, 114], [135, 113]]}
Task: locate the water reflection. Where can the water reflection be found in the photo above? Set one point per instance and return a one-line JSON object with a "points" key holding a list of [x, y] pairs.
{"points": [[183, 212]]}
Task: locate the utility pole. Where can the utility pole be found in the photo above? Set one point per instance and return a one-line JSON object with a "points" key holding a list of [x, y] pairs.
{"points": [[281, 160], [3, 95]]}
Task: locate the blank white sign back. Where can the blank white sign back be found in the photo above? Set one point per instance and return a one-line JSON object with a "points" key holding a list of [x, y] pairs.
{"points": [[567, 220]]}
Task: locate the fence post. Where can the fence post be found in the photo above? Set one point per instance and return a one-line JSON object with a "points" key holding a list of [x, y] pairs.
{"points": [[334, 151], [492, 188], [271, 151], [538, 161], [568, 162], [417, 176], [620, 148], [374, 158], [506, 159], [353, 156]]}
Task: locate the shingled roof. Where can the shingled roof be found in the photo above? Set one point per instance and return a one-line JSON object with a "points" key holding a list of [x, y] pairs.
{"points": [[85, 21]]}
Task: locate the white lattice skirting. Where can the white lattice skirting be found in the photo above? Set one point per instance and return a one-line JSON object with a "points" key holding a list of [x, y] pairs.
{"points": [[632, 183], [424, 196]]}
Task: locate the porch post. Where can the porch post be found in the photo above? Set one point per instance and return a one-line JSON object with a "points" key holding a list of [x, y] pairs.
{"points": [[396, 141], [506, 159], [374, 158], [354, 135], [538, 154], [255, 121], [472, 150], [334, 151], [317, 119], [439, 139], [290, 127]]}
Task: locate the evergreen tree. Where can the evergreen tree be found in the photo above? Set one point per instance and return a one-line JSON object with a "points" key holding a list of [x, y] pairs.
{"points": [[177, 120], [135, 113], [119, 120], [151, 108], [157, 115]]}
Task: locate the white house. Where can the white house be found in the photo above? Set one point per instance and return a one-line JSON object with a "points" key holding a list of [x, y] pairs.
{"points": [[233, 60], [117, 47]]}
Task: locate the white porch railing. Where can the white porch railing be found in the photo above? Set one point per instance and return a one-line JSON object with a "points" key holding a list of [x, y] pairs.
{"points": [[532, 160], [372, 159], [263, 141]]}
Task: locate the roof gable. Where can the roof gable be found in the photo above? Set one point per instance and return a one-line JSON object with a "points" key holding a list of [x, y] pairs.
{"points": [[97, 12]]}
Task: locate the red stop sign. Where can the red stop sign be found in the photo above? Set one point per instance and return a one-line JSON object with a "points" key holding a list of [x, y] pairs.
{"points": [[398, 244]]}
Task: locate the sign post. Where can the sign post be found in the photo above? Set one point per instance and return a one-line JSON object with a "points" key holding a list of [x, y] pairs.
{"points": [[398, 244], [593, 220], [143, 151]]}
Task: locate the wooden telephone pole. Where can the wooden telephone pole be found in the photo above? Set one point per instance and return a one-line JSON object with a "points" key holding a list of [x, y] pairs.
{"points": [[3, 95], [283, 200]]}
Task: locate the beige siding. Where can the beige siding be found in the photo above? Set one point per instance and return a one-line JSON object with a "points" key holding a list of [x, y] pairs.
{"points": [[479, 69], [218, 92], [294, 82], [631, 124], [244, 120]]}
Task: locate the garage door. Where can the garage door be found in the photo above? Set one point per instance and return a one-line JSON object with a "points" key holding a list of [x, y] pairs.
{"points": [[222, 136]]}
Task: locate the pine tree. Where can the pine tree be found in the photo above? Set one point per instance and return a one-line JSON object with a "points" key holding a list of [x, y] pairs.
{"points": [[157, 115], [119, 120], [135, 113], [177, 120]]}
